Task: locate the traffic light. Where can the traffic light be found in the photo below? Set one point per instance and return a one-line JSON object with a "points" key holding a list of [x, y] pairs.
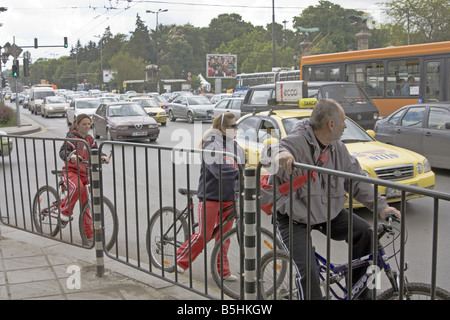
{"points": [[35, 43], [15, 68], [65, 42], [26, 67]]}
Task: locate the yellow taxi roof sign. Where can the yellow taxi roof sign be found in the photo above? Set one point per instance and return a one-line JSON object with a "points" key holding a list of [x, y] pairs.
{"points": [[307, 103]]}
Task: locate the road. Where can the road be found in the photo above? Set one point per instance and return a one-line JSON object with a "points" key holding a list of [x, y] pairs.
{"points": [[142, 171]]}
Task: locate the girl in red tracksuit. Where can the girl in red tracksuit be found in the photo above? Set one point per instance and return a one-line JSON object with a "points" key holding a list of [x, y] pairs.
{"points": [[76, 175], [219, 138]]}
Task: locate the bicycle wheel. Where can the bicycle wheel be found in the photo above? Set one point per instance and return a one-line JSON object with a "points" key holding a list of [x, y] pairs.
{"points": [[110, 224], [415, 291], [233, 288], [286, 286], [45, 211], [161, 236]]}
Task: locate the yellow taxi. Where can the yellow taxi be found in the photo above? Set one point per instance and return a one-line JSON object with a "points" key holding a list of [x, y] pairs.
{"points": [[152, 107], [377, 159]]}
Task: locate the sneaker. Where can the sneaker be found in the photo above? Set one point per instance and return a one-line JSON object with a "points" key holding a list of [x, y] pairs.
{"points": [[180, 270], [64, 218], [230, 278]]}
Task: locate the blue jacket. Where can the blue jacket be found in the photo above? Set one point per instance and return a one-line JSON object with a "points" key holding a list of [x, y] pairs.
{"points": [[218, 160]]}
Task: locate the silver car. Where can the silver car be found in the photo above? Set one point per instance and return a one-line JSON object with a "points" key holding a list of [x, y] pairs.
{"points": [[232, 105], [54, 106], [190, 108], [423, 128]]}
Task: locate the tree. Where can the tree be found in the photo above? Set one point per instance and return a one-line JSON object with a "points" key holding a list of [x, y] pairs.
{"points": [[225, 28], [127, 67], [139, 44], [196, 82], [422, 20], [337, 31]]}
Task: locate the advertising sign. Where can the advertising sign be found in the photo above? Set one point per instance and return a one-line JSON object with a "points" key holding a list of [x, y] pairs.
{"points": [[107, 75], [221, 65]]}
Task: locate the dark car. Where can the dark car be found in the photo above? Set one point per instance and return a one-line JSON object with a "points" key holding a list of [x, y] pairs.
{"points": [[423, 128], [356, 103], [124, 121]]}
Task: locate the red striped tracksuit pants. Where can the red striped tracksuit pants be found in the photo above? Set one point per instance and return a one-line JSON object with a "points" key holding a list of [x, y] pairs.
{"points": [[76, 188], [212, 218]]}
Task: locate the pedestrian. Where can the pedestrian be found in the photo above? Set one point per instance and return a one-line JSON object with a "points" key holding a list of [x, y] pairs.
{"points": [[317, 142], [76, 156], [219, 138]]}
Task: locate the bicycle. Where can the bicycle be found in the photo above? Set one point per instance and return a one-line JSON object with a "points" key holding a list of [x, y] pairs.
{"points": [[164, 237], [47, 215], [287, 283]]}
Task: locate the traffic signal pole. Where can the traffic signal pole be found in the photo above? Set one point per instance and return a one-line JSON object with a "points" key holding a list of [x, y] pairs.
{"points": [[16, 51]]}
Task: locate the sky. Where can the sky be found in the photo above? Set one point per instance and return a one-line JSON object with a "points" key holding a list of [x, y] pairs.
{"points": [[50, 21]]}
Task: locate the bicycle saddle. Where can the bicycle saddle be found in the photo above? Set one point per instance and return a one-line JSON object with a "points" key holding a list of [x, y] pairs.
{"points": [[184, 192]]}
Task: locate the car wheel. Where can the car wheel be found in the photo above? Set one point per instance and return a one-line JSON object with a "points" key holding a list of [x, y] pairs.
{"points": [[190, 117], [94, 133], [171, 117], [108, 135], [163, 124]]}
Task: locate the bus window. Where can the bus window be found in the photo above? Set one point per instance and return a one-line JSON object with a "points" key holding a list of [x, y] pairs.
{"points": [[433, 84], [318, 74], [334, 74], [369, 76], [404, 79]]}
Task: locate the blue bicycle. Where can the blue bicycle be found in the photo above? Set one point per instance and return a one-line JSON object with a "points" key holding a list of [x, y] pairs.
{"points": [[286, 288]]}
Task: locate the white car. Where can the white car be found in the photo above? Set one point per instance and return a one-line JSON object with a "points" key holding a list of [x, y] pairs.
{"points": [[81, 105]]}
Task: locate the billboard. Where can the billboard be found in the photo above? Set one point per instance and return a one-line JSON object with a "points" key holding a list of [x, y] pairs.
{"points": [[221, 65], [108, 75]]}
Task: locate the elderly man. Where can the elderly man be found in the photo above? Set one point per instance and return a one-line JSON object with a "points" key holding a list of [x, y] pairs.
{"points": [[317, 142]]}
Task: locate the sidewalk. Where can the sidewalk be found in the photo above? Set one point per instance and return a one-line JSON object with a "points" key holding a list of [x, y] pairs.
{"points": [[33, 267], [27, 126]]}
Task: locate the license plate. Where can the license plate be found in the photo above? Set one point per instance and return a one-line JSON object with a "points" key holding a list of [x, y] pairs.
{"points": [[139, 133], [396, 193]]}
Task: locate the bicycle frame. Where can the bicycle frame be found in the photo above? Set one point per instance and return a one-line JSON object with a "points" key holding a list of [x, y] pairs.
{"points": [[339, 272]]}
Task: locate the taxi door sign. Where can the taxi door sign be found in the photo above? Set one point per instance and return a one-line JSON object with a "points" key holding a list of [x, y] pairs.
{"points": [[290, 91]]}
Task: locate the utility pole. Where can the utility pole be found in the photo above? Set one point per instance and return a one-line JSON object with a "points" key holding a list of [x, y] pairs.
{"points": [[156, 46]]}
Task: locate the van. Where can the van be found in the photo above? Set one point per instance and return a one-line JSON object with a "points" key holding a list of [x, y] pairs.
{"points": [[37, 95], [356, 103]]}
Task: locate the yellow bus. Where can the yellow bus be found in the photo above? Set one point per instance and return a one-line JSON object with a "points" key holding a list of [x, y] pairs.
{"points": [[393, 77]]}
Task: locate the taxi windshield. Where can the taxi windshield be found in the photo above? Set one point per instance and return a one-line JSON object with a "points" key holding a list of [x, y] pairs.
{"points": [[353, 133]]}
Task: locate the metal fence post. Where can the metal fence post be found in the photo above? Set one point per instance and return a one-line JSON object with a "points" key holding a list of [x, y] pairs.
{"points": [[250, 234], [96, 205]]}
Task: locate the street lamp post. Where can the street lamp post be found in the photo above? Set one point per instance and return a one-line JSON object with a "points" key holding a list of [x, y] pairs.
{"points": [[101, 59], [157, 40]]}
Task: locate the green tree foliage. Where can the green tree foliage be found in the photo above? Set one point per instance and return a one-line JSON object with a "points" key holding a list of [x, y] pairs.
{"points": [[183, 48], [427, 20]]}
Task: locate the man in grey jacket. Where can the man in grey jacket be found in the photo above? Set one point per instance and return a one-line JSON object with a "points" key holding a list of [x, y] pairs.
{"points": [[317, 142]]}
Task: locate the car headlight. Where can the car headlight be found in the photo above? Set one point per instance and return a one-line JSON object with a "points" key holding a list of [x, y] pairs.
{"points": [[375, 115], [121, 128], [366, 173], [426, 165], [152, 126], [163, 113]]}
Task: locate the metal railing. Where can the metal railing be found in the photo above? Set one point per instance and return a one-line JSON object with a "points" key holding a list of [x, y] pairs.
{"points": [[435, 195], [143, 179], [26, 170]]}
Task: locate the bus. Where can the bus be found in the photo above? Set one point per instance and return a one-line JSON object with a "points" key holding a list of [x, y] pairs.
{"points": [[247, 80], [393, 77]]}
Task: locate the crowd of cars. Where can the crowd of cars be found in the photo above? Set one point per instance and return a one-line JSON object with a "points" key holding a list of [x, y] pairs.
{"points": [[401, 147]]}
